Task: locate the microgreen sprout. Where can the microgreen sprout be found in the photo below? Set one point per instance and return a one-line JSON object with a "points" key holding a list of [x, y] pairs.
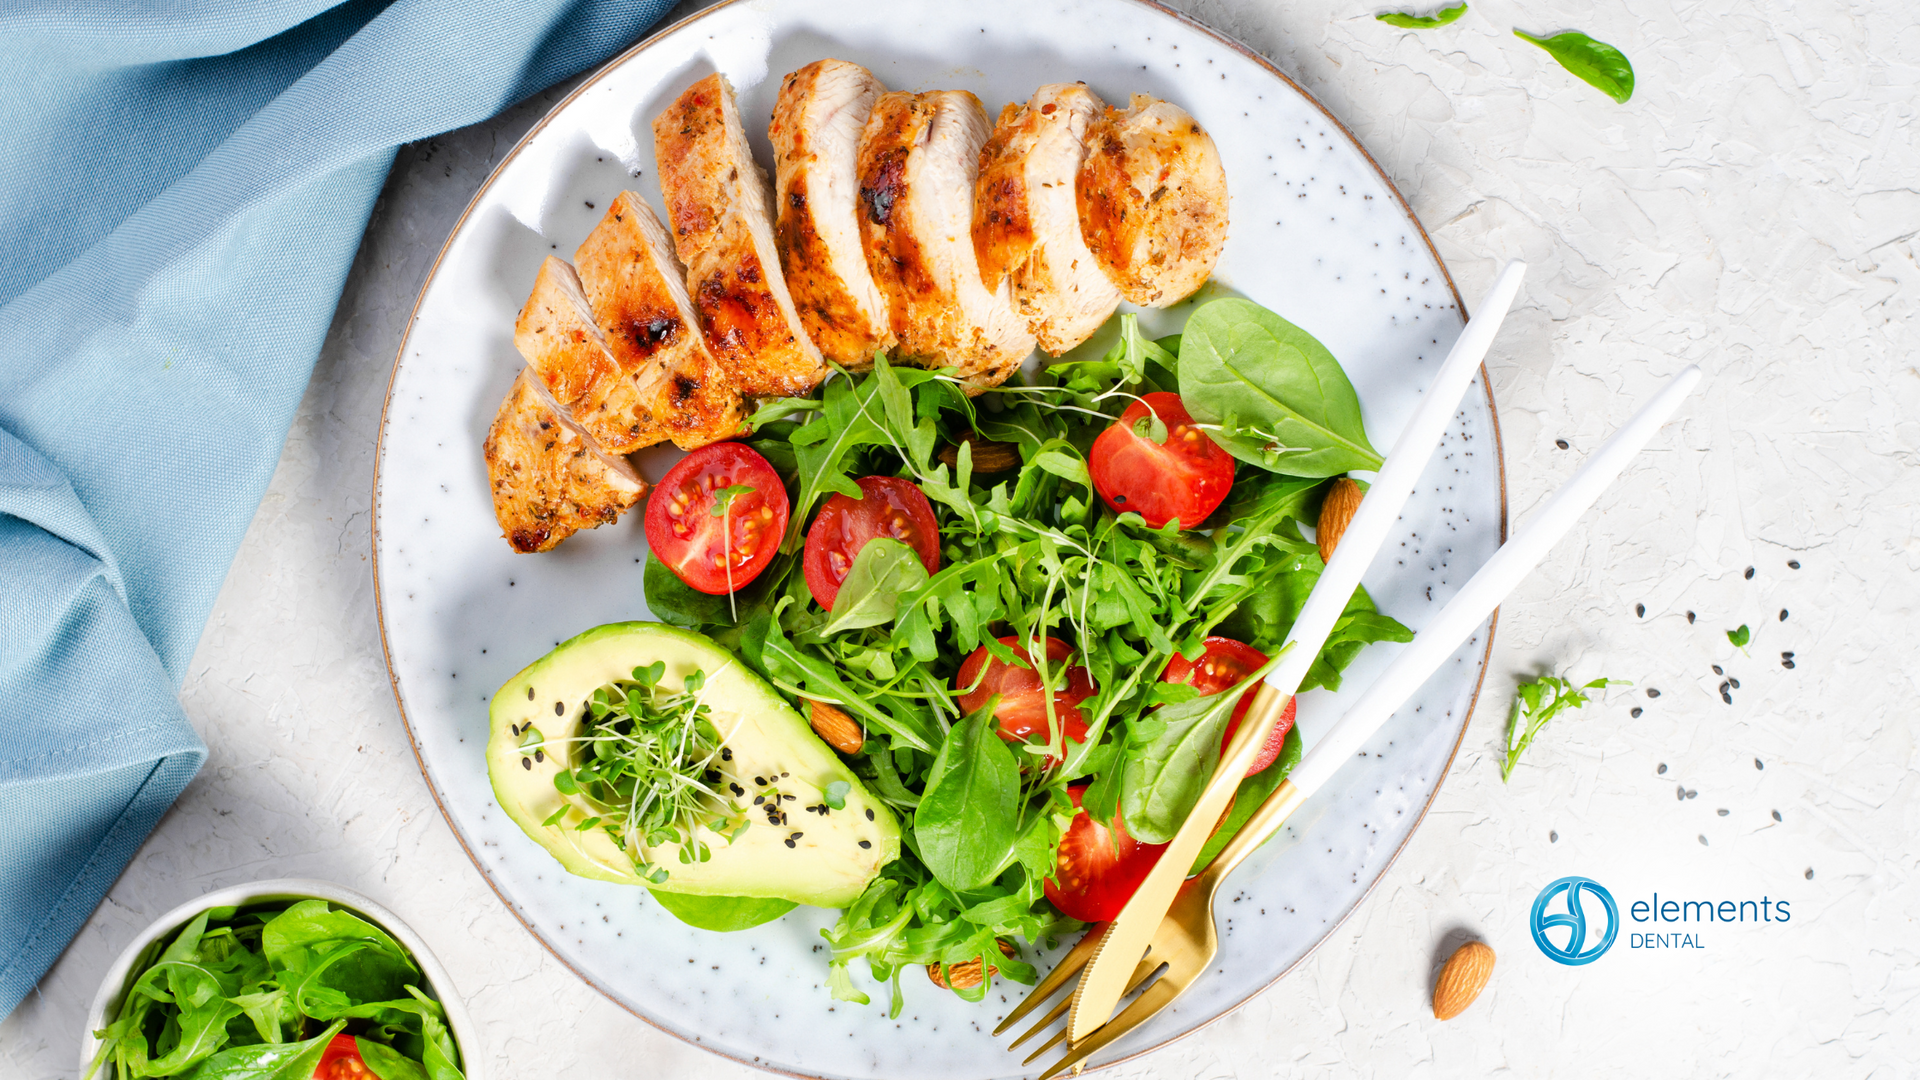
{"points": [[1740, 637]]}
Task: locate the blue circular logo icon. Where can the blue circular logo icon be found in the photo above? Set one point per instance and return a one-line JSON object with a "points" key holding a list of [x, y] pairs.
{"points": [[1583, 943]]}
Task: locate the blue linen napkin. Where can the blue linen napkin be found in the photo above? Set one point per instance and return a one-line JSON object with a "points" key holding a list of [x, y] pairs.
{"points": [[183, 185]]}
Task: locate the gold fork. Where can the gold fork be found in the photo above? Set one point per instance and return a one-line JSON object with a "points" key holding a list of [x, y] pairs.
{"points": [[1182, 948]]}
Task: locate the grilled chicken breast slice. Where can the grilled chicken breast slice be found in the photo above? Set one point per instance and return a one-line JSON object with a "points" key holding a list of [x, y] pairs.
{"points": [[919, 160], [1153, 201], [561, 342], [633, 283], [548, 480], [1026, 221], [717, 205], [817, 121]]}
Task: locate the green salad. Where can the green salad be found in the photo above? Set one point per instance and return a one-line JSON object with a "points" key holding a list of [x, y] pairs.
{"points": [[1019, 617], [279, 991]]}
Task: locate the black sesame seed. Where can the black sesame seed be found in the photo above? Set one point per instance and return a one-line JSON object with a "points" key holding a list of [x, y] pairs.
{"points": [[712, 776], [737, 789], [526, 763], [797, 834], [1726, 697], [869, 815], [866, 843], [786, 774], [1680, 793], [1703, 840], [1651, 692], [1662, 770], [1561, 443], [1692, 793], [1723, 688], [1809, 873], [726, 753], [1757, 765], [759, 799], [1776, 815], [529, 693], [1793, 564], [791, 844], [1717, 671], [1689, 618], [1788, 664], [761, 780], [1723, 811], [1749, 573], [559, 709], [1553, 837], [791, 798], [540, 755], [1783, 614], [1735, 682], [1640, 610], [1637, 710], [1786, 655]]}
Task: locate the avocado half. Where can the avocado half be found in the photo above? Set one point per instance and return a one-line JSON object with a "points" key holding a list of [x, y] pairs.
{"points": [[824, 859]]}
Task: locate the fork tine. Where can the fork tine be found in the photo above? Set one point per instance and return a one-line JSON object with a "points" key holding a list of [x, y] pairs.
{"points": [[1143, 1007], [1067, 968], [1140, 973]]}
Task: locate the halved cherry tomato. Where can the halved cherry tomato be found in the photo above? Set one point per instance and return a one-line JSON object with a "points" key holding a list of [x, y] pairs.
{"points": [[888, 506], [1225, 663], [1098, 868], [1186, 477], [717, 548], [1022, 712], [341, 1061]]}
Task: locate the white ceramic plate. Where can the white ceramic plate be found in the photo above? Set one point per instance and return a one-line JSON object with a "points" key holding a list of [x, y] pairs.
{"points": [[1318, 234]]}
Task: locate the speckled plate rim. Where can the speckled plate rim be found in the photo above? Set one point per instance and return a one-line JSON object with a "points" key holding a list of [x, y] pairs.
{"points": [[426, 283]]}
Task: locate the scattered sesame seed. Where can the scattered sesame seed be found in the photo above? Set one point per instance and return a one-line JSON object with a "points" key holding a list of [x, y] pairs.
{"points": [[540, 755], [791, 844], [866, 843], [1637, 710], [1788, 664], [1689, 618], [1723, 811], [526, 763], [529, 693], [1749, 573], [761, 780], [1703, 839], [1561, 443], [1735, 682], [559, 709], [1776, 815], [1662, 770], [1788, 655], [1553, 836], [869, 814], [1651, 692], [736, 789], [1717, 671], [758, 799], [797, 834], [1726, 697], [726, 753], [1783, 614], [1692, 793], [1640, 610], [1793, 564], [1757, 765], [1809, 873], [1680, 793]]}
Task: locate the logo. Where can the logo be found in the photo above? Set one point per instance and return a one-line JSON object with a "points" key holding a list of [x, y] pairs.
{"points": [[1583, 944]]}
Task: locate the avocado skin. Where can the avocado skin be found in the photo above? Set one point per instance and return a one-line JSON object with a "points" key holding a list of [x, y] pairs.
{"points": [[825, 867]]}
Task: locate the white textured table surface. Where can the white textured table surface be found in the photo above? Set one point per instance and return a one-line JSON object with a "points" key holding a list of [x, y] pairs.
{"points": [[1754, 210]]}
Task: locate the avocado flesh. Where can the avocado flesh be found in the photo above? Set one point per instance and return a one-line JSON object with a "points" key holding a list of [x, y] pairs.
{"points": [[825, 866]]}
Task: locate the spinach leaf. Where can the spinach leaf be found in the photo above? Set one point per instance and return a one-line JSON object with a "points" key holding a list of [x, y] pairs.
{"points": [[291, 940], [387, 1063], [1269, 393], [1407, 21], [722, 914], [884, 571], [968, 816], [268, 1061], [677, 603], [1597, 63], [1162, 780], [1247, 798]]}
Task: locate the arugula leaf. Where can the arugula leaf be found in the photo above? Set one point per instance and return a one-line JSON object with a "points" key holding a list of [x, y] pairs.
{"points": [[884, 571], [966, 822], [1270, 393], [721, 914], [1597, 63], [1535, 703], [1408, 21]]}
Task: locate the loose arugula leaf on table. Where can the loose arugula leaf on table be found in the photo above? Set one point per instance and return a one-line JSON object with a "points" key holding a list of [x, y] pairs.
{"points": [[1270, 393], [1535, 703], [1597, 63], [1407, 21]]}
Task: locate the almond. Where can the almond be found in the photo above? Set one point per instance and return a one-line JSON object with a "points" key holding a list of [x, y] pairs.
{"points": [[988, 456], [1465, 975], [838, 729], [1336, 513], [966, 976]]}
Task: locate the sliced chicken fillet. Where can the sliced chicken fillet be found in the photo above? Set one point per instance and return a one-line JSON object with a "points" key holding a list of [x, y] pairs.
{"points": [[1153, 201], [561, 342], [1026, 221], [919, 161], [633, 283], [717, 205], [817, 121], [548, 480]]}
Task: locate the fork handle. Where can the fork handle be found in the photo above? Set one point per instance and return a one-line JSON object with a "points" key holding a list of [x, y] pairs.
{"points": [[1265, 821]]}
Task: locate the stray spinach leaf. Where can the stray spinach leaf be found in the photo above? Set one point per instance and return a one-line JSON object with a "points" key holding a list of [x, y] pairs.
{"points": [[1406, 21], [1269, 392], [1599, 64], [722, 914]]}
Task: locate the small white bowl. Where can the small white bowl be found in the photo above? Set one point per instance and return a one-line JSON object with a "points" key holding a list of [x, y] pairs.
{"points": [[439, 985]]}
